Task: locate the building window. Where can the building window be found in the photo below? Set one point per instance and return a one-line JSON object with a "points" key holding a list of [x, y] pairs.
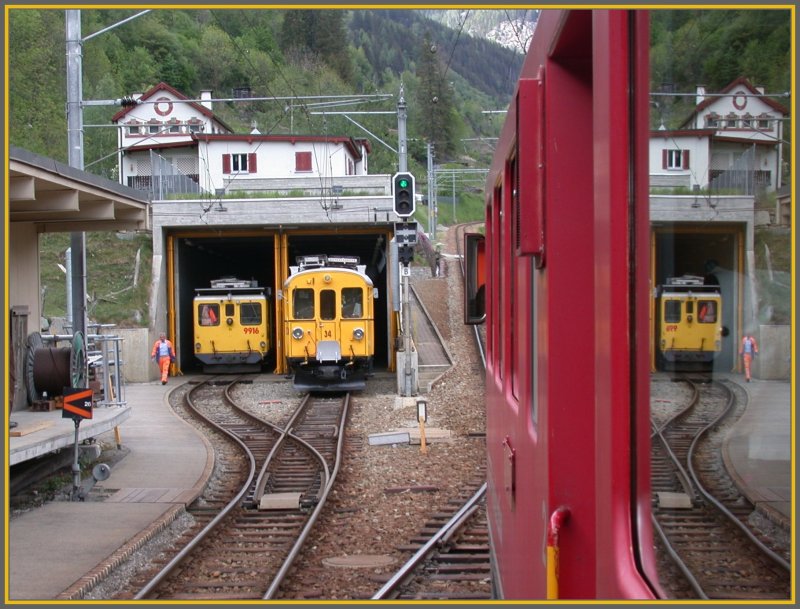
{"points": [[712, 120], [195, 128], [302, 161], [175, 128], [133, 130], [675, 159], [732, 121], [239, 163], [747, 121], [764, 123], [153, 129]]}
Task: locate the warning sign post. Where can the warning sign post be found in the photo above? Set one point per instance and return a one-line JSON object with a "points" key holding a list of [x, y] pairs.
{"points": [[77, 406]]}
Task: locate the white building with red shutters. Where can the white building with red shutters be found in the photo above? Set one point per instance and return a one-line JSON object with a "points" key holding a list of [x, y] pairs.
{"points": [[172, 145], [731, 142]]}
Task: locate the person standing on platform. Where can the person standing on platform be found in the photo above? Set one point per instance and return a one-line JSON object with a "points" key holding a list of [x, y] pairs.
{"points": [[748, 351], [163, 355]]}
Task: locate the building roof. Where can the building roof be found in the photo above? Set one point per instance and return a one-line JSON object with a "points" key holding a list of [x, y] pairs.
{"points": [[739, 82], [164, 87], [349, 142], [62, 198]]}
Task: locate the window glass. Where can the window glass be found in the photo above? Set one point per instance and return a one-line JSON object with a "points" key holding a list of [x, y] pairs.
{"points": [[250, 313], [303, 303], [352, 303], [327, 304], [706, 311], [672, 311], [208, 314]]}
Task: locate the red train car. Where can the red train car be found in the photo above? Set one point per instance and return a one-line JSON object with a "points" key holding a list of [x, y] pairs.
{"points": [[566, 308]]}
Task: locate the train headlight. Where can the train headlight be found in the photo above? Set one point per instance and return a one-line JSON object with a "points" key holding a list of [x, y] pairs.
{"points": [[297, 333], [229, 321], [358, 333], [263, 345]]}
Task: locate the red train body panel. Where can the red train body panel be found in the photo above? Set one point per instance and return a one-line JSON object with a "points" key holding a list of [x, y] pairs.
{"points": [[567, 379]]}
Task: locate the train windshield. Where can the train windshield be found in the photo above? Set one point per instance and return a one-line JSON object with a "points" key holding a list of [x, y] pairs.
{"points": [[707, 312], [250, 313], [303, 303], [672, 311], [352, 305], [209, 314]]}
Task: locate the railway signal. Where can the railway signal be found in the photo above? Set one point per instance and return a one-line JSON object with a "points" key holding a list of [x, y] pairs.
{"points": [[403, 193]]}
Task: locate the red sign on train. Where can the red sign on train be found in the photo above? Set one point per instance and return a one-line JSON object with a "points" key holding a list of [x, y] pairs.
{"points": [[77, 403]]}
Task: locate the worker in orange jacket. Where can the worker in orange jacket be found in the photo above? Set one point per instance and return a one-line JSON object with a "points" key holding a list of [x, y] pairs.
{"points": [[163, 355], [748, 350]]}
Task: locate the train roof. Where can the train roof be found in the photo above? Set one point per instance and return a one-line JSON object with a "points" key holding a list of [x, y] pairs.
{"points": [[331, 262], [687, 283], [231, 285]]}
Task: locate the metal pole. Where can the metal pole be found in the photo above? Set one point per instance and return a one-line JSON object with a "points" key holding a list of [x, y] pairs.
{"points": [[75, 154], [407, 378], [76, 468], [401, 131]]}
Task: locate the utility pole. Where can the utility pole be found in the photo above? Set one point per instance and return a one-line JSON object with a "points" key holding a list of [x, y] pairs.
{"points": [[402, 116], [431, 193], [75, 157]]}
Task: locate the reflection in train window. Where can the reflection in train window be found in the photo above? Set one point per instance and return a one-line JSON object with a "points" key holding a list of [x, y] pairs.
{"points": [[708, 312], [672, 311]]}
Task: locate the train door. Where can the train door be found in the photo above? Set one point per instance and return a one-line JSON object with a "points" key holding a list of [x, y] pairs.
{"points": [[328, 339]]}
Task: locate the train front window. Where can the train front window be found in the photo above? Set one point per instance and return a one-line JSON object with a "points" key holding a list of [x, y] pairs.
{"points": [[352, 303], [250, 313], [303, 303], [672, 311], [707, 312], [209, 315], [327, 304]]}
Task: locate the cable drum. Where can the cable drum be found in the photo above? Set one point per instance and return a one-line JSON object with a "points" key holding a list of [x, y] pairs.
{"points": [[50, 369]]}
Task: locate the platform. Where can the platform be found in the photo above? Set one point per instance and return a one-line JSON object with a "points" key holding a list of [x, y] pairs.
{"points": [[758, 451]]}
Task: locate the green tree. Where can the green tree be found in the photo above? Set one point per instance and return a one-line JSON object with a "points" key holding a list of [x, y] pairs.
{"points": [[434, 96]]}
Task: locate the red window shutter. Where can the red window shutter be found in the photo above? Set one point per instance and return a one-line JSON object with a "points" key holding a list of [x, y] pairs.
{"points": [[251, 163], [302, 161], [226, 163], [685, 159], [664, 159]]}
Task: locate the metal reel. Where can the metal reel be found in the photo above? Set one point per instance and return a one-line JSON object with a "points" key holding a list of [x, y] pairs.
{"points": [[78, 361]]}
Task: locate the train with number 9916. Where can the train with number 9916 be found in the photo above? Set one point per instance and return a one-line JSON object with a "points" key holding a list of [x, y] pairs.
{"points": [[232, 321], [560, 279]]}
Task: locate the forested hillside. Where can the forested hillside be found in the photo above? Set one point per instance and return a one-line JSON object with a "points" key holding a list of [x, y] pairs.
{"points": [[450, 78]]}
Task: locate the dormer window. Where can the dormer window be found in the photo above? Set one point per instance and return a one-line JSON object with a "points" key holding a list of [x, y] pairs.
{"points": [[731, 121], [747, 121], [765, 122], [712, 120], [133, 129], [153, 129]]}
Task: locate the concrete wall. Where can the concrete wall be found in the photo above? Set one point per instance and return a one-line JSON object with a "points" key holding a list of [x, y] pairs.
{"points": [[774, 353], [137, 367]]}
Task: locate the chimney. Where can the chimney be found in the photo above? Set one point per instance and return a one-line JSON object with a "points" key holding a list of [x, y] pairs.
{"points": [[760, 89], [701, 94], [205, 98]]}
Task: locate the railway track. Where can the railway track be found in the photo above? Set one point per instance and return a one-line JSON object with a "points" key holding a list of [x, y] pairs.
{"points": [[699, 516], [252, 522], [451, 555]]}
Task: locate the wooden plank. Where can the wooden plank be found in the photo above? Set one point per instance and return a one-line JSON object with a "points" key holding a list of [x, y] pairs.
{"points": [[23, 430]]}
